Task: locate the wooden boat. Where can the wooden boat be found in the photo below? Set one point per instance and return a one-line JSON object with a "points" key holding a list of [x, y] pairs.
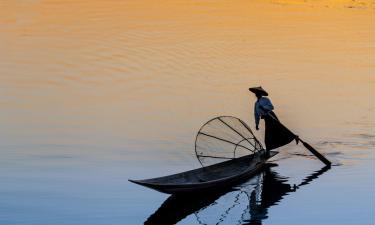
{"points": [[206, 178]]}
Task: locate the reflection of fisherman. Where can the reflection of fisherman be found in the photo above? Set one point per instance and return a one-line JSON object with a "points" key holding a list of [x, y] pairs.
{"points": [[276, 135], [274, 188]]}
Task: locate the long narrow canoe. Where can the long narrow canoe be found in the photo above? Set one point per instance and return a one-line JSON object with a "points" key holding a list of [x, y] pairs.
{"points": [[215, 176]]}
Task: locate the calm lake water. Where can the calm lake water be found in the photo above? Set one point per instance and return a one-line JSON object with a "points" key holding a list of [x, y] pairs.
{"points": [[94, 93]]}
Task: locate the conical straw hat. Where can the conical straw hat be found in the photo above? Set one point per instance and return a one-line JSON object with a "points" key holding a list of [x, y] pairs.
{"points": [[259, 90]]}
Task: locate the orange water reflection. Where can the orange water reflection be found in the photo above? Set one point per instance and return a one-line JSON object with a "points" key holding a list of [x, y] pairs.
{"points": [[160, 69]]}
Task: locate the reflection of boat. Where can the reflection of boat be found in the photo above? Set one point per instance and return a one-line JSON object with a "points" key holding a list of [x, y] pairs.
{"points": [[177, 207], [269, 189], [217, 175]]}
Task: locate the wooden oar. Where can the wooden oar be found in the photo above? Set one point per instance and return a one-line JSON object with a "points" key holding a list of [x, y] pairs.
{"points": [[307, 146], [316, 153]]}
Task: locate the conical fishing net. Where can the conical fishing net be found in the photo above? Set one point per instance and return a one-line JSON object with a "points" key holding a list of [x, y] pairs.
{"points": [[224, 138]]}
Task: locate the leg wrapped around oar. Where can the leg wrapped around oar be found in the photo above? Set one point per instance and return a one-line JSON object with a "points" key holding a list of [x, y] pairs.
{"points": [[276, 135]]}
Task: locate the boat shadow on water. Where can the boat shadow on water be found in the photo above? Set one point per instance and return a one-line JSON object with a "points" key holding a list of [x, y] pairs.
{"points": [[247, 203]]}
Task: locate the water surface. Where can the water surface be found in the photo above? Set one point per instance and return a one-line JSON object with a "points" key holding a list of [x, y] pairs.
{"points": [[96, 92]]}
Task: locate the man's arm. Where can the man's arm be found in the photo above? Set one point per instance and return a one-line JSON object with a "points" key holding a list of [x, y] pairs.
{"points": [[257, 118]]}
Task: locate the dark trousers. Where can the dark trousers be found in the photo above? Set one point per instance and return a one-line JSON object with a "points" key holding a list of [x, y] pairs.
{"points": [[276, 135]]}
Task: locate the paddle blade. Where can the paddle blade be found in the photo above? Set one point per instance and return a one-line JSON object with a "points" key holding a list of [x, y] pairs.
{"points": [[316, 153]]}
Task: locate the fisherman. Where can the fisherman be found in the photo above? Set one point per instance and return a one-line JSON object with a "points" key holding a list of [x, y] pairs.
{"points": [[276, 135]]}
